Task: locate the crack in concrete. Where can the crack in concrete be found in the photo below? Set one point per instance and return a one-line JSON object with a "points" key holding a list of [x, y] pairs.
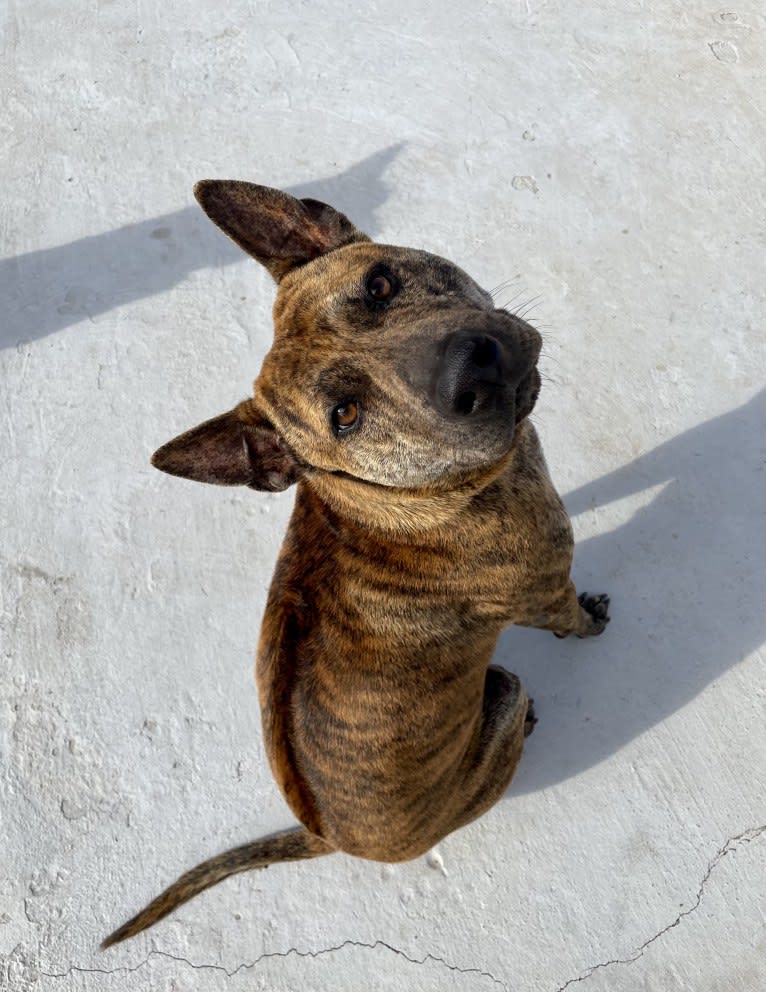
{"points": [[731, 844], [279, 954], [744, 838]]}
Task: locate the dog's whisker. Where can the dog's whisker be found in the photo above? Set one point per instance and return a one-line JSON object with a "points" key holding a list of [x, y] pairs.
{"points": [[512, 299], [528, 306], [502, 286]]}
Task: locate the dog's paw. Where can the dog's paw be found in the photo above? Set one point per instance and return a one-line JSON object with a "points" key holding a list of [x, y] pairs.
{"points": [[597, 608], [530, 719]]}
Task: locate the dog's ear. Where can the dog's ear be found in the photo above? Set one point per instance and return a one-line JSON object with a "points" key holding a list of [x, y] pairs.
{"points": [[239, 448], [277, 229]]}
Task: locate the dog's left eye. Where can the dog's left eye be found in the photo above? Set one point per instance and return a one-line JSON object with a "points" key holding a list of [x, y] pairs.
{"points": [[381, 285]]}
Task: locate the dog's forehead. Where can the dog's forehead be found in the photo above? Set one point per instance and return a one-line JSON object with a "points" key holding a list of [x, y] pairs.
{"points": [[419, 269], [418, 272]]}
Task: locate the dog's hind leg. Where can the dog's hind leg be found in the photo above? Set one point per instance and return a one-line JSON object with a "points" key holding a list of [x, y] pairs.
{"points": [[490, 764]]}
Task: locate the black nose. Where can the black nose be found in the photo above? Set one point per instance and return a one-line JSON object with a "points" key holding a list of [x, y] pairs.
{"points": [[469, 376]]}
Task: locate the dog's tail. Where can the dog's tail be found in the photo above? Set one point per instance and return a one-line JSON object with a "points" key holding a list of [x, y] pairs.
{"points": [[296, 844]]}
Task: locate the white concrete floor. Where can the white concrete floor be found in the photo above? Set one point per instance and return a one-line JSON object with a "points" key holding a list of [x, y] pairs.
{"points": [[607, 161]]}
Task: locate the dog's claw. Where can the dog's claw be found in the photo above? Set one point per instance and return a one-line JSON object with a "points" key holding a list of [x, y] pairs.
{"points": [[530, 719]]}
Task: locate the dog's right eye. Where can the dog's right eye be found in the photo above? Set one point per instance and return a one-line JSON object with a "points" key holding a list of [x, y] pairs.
{"points": [[381, 285], [380, 288]]}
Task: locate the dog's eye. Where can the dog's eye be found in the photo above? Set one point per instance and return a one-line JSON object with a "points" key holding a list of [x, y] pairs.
{"points": [[380, 288], [345, 416], [381, 285]]}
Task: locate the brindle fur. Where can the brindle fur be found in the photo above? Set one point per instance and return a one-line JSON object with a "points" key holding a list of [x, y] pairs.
{"points": [[413, 542]]}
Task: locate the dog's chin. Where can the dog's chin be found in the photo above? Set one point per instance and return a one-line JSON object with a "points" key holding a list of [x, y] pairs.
{"points": [[527, 392]]}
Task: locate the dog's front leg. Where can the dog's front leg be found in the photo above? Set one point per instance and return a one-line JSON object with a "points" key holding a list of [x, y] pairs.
{"points": [[569, 613]]}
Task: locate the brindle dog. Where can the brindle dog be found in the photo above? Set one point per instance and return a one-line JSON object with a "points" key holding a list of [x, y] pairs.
{"points": [[397, 398]]}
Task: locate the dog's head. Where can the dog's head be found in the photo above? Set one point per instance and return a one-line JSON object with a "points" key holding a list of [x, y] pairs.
{"points": [[390, 366]]}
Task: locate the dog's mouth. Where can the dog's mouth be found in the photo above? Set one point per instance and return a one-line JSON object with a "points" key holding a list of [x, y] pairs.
{"points": [[527, 392], [338, 473]]}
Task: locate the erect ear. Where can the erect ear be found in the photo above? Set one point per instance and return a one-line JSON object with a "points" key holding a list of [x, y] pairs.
{"points": [[239, 448], [279, 230]]}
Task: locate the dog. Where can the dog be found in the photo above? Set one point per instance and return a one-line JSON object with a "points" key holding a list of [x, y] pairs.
{"points": [[396, 397]]}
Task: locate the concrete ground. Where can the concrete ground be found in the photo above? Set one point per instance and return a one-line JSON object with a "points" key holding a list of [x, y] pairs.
{"points": [[605, 163]]}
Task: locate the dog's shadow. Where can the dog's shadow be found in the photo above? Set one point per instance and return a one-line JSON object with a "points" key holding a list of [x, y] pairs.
{"points": [[48, 290], [686, 576]]}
